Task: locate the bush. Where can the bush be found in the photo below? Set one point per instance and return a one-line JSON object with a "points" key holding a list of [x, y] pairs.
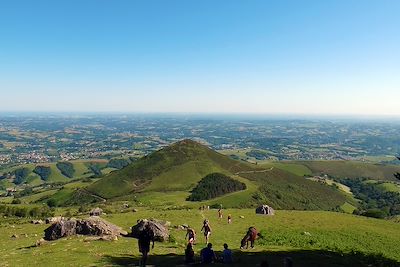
{"points": [[25, 192], [21, 175], [374, 213], [214, 185], [118, 163], [96, 170], [35, 212], [16, 201], [51, 203], [66, 168], [43, 171]]}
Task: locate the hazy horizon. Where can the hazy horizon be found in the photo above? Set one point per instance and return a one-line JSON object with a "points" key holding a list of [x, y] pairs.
{"points": [[286, 58]]}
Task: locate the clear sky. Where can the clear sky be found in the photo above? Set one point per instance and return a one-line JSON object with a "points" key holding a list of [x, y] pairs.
{"points": [[295, 57]]}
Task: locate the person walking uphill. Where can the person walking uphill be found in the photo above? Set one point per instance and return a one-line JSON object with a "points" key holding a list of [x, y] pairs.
{"points": [[191, 235], [206, 229], [144, 246]]}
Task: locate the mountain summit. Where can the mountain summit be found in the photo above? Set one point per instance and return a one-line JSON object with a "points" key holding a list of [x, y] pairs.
{"points": [[177, 167]]}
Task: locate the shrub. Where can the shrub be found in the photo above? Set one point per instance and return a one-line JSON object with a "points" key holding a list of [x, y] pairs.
{"points": [[43, 171], [214, 185], [21, 175], [118, 163], [51, 203], [16, 201], [66, 168]]}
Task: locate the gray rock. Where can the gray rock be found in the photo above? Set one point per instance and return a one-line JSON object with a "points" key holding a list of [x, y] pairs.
{"points": [[153, 228], [93, 226]]}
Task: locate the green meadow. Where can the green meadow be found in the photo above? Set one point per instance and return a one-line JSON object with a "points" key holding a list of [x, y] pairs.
{"points": [[310, 238]]}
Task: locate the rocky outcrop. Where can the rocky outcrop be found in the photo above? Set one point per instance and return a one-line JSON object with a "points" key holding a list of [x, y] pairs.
{"points": [[157, 230], [93, 226]]}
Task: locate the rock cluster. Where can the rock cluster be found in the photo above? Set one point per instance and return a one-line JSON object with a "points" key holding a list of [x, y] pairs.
{"points": [[93, 226], [158, 230]]}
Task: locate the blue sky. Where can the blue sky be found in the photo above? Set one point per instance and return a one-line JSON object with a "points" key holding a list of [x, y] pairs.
{"points": [[275, 57]]}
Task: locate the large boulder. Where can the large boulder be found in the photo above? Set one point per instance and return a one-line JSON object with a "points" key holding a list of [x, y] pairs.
{"points": [[97, 226], [60, 229], [265, 210], [96, 212], [154, 228], [93, 226]]}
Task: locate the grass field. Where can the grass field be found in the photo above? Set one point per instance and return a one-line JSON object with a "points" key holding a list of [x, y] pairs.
{"points": [[352, 169], [389, 187], [311, 238], [81, 168]]}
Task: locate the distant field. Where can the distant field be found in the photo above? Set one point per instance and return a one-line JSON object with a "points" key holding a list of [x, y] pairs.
{"points": [[311, 238], [352, 169], [342, 187], [297, 169], [389, 187], [81, 168]]}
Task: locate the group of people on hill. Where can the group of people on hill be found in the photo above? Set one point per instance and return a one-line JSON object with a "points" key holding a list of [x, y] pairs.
{"points": [[207, 254]]}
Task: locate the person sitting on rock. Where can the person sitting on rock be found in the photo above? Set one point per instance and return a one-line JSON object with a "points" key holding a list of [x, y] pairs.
{"points": [[207, 254]]}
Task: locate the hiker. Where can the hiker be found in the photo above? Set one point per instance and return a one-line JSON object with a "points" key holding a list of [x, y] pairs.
{"points": [[189, 253], [207, 229], [191, 235], [220, 213], [144, 246], [207, 254], [251, 236], [227, 255], [229, 219]]}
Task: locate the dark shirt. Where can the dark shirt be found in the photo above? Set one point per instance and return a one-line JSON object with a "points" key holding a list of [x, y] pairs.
{"points": [[207, 255]]}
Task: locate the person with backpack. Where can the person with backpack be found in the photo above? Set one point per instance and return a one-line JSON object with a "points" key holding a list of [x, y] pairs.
{"points": [[206, 229]]}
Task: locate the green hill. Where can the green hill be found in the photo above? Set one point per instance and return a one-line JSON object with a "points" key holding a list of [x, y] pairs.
{"points": [[179, 168]]}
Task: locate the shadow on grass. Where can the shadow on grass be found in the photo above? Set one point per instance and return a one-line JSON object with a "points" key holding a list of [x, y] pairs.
{"points": [[301, 258]]}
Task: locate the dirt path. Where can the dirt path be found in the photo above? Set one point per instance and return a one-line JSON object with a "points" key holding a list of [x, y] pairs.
{"points": [[266, 170]]}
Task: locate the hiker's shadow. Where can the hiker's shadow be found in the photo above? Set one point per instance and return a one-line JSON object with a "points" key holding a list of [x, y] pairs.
{"points": [[122, 260], [154, 260]]}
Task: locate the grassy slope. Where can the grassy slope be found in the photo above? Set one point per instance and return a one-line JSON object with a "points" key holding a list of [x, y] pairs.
{"points": [[80, 166], [294, 168], [338, 233], [287, 191], [180, 166], [352, 169], [389, 187], [177, 167]]}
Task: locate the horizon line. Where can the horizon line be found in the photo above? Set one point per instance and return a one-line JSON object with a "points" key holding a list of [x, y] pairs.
{"points": [[203, 113]]}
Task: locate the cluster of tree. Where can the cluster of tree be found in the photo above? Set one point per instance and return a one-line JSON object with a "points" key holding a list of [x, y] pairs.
{"points": [[66, 168], [257, 154], [21, 175], [214, 185], [118, 163], [43, 171], [95, 168], [397, 175], [375, 202], [27, 191], [33, 212]]}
